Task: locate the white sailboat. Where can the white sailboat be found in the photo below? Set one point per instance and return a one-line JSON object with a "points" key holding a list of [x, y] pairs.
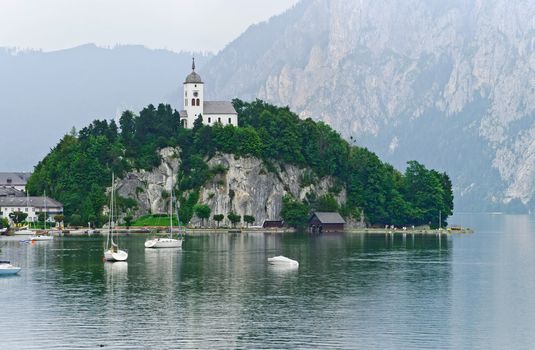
{"points": [[112, 251], [45, 236], [168, 242]]}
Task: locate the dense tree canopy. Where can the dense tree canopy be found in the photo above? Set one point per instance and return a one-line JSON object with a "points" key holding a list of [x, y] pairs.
{"points": [[78, 170]]}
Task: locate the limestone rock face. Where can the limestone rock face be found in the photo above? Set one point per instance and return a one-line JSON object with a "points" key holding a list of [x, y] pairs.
{"points": [[448, 83], [147, 187], [246, 188]]}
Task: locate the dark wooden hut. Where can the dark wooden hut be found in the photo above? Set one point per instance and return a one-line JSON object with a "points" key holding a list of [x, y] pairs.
{"points": [[326, 222], [273, 224]]}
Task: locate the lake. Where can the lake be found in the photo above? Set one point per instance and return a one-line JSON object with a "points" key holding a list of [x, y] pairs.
{"points": [[350, 291]]}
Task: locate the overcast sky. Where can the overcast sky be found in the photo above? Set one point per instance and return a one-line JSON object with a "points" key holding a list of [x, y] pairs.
{"points": [[194, 25]]}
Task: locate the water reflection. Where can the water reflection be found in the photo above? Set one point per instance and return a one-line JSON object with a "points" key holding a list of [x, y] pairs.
{"points": [[219, 291]]}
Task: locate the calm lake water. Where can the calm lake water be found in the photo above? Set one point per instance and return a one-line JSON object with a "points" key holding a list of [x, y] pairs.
{"points": [[350, 291]]}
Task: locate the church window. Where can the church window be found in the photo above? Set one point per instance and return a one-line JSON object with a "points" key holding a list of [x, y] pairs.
{"points": [[193, 102], [229, 121], [209, 120], [195, 94], [198, 102], [219, 119]]}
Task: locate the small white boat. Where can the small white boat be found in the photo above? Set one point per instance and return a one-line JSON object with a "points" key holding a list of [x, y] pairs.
{"points": [[283, 261], [3, 230], [41, 238], [7, 269], [24, 232], [163, 243]]}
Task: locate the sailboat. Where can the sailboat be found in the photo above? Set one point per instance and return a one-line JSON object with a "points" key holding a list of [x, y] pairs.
{"points": [[45, 236], [168, 242], [112, 251]]}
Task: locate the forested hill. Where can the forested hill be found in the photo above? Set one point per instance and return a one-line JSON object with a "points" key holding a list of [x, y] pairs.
{"points": [[78, 170]]}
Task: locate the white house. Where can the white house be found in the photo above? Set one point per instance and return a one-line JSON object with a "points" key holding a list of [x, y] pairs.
{"points": [[212, 112], [31, 206]]}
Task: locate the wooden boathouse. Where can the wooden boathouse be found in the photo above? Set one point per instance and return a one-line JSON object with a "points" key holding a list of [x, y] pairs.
{"points": [[326, 222]]}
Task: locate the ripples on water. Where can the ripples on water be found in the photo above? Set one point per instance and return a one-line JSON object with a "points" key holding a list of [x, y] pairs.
{"points": [[350, 291]]}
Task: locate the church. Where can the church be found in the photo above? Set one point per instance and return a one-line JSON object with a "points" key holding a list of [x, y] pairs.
{"points": [[212, 112]]}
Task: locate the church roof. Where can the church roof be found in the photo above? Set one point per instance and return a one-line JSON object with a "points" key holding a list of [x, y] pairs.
{"points": [[218, 107], [193, 78]]}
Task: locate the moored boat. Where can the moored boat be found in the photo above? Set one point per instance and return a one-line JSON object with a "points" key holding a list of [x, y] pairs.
{"points": [[43, 237], [24, 232], [282, 260], [112, 251], [168, 242], [7, 269]]}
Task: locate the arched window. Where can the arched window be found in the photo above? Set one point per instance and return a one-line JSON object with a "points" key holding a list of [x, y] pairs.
{"points": [[209, 120], [229, 121], [193, 102], [198, 102]]}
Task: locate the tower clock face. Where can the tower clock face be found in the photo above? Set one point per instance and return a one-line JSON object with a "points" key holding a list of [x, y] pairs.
{"points": [[195, 94]]}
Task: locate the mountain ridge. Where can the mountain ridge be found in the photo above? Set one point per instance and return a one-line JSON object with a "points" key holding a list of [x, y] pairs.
{"points": [[379, 71]]}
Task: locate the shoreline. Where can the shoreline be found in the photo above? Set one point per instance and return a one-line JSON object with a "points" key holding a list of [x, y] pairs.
{"points": [[192, 231]]}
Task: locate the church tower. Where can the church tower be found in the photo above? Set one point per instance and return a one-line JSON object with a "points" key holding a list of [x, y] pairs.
{"points": [[193, 97]]}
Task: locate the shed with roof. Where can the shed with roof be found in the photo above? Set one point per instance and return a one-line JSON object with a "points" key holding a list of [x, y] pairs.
{"points": [[326, 222]]}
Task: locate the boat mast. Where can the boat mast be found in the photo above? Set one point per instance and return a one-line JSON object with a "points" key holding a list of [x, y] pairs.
{"points": [[112, 206], [171, 210], [44, 195]]}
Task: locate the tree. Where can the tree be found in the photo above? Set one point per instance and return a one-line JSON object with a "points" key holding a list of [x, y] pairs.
{"points": [[249, 219], [41, 217], [293, 212], [234, 218], [328, 203], [4, 223], [18, 217], [202, 211], [75, 220], [128, 221], [218, 218], [197, 124]]}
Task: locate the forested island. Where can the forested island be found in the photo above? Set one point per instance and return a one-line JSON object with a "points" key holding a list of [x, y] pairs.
{"points": [[78, 170]]}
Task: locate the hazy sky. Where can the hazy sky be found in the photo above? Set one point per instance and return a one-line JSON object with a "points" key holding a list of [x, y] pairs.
{"points": [[195, 25]]}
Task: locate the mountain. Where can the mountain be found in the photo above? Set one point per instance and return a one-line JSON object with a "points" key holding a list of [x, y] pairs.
{"points": [[44, 94], [450, 83]]}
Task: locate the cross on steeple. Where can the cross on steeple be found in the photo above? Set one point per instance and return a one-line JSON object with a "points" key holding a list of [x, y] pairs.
{"points": [[193, 64]]}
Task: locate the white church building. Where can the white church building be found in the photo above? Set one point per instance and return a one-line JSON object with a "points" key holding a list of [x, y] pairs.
{"points": [[212, 112]]}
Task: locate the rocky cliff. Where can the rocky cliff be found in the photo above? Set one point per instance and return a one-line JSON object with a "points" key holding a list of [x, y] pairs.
{"points": [[447, 82], [246, 188]]}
